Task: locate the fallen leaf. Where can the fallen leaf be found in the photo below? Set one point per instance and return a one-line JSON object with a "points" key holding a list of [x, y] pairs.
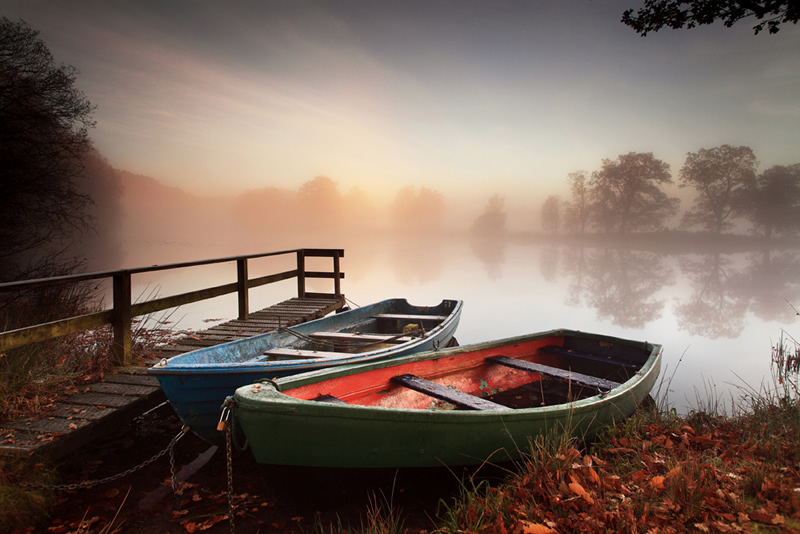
{"points": [[577, 489], [535, 528], [594, 476], [761, 517], [657, 483]]}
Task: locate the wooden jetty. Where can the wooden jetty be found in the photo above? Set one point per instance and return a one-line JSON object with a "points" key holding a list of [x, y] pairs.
{"points": [[99, 407], [96, 408]]}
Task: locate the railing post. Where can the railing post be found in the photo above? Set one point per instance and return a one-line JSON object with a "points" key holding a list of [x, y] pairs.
{"points": [[301, 274], [337, 283], [122, 319], [242, 287]]}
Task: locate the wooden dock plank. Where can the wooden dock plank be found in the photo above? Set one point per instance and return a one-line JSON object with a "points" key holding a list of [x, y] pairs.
{"points": [[50, 425], [138, 380], [121, 389], [78, 411]]}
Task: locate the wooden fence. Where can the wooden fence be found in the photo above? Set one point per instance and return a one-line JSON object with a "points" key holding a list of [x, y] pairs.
{"points": [[123, 310]]}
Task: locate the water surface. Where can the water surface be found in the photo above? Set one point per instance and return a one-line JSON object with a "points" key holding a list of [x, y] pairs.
{"points": [[716, 314]]}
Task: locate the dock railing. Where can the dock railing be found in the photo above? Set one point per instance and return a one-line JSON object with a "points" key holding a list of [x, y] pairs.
{"points": [[123, 310]]}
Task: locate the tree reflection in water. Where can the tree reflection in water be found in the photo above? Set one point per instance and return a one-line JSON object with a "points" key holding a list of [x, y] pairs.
{"points": [[621, 285], [771, 280], [491, 251], [717, 305]]}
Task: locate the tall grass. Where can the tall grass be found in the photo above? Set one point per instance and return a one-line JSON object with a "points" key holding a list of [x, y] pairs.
{"points": [[29, 374], [33, 376]]}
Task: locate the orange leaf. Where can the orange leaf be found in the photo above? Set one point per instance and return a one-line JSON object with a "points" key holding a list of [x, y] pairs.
{"points": [[535, 528], [594, 476], [587, 461], [674, 471], [657, 483], [577, 489], [761, 517]]}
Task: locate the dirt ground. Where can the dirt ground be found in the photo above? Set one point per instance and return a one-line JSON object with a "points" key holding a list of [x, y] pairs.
{"points": [[266, 498]]}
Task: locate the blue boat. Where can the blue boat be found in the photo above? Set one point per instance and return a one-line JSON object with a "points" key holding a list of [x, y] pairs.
{"points": [[196, 383]]}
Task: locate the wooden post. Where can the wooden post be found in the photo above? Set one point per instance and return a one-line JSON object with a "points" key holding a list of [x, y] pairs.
{"points": [[122, 319], [337, 282], [301, 274], [242, 287]]}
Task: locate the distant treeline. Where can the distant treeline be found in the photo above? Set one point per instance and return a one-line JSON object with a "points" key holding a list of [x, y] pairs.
{"points": [[627, 195]]}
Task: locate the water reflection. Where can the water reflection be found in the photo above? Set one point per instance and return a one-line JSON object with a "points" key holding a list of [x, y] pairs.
{"points": [[575, 266], [416, 261], [491, 251], [548, 263], [621, 285], [717, 306], [772, 280]]}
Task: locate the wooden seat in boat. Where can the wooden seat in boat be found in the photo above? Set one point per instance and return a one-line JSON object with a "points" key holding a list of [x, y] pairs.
{"points": [[554, 372], [453, 396]]}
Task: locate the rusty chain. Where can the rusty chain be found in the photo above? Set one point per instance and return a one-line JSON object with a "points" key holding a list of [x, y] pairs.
{"points": [[92, 483]]}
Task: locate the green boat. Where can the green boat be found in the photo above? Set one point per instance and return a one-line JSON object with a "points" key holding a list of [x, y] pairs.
{"points": [[458, 406]]}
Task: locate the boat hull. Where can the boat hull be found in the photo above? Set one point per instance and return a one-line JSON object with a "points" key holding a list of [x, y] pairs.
{"points": [[285, 430], [197, 383]]}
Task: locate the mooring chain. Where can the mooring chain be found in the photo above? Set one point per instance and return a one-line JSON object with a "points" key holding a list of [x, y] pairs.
{"points": [[173, 478], [92, 483], [226, 425]]}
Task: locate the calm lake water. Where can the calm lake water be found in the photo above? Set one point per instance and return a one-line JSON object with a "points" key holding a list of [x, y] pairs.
{"points": [[717, 315]]}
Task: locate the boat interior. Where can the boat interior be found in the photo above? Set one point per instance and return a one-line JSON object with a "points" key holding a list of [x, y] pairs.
{"points": [[540, 372], [383, 330]]}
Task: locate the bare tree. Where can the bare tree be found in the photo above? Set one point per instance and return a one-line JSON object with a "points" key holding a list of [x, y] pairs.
{"points": [[493, 219], [720, 175], [773, 206], [44, 124], [627, 196], [418, 209], [320, 201], [577, 212], [551, 214]]}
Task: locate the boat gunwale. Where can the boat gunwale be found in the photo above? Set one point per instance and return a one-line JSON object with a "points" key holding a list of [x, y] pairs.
{"points": [[281, 401], [173, 365]]}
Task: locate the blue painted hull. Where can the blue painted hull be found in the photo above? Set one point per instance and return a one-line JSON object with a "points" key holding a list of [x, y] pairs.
{"points": [[197, 383]]}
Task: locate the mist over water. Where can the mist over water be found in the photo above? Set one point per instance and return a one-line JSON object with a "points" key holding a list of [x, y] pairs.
{"points": [[715, 313]]}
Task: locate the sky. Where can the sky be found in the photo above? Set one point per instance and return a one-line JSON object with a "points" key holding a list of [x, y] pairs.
{"points": [[466, 97]]}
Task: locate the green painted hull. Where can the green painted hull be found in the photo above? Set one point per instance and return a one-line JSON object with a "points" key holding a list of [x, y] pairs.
{"points": [[283, 430]]}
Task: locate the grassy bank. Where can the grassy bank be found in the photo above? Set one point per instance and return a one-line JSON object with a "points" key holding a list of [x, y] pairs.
{"points": [[658, 471]]}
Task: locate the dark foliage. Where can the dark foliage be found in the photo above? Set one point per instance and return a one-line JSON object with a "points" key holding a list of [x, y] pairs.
{"points": [[721, 176], [44, 123], [675, 14], [773, 204], [627, 197]]}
